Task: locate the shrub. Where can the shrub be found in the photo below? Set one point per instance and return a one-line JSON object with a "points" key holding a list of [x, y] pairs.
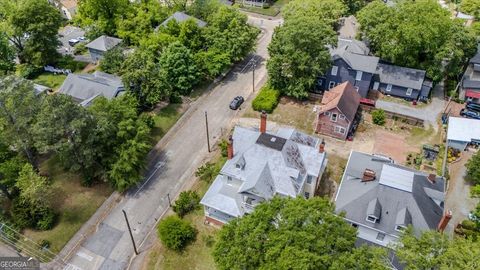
{"points": [[207, 172], [68, 62], [186, 202], [25, 215], [223, 147], [27, 71], [378, 117], [79, 49], [266, 100], [176, 233], [175, 98]]}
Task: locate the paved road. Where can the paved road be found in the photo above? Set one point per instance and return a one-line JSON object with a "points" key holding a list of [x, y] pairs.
{"points": [[175, 163], [429, 113]]}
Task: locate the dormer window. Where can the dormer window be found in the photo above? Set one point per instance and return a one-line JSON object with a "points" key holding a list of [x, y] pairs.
{"points": [[374, 210], [372, 219], [400, 228]]}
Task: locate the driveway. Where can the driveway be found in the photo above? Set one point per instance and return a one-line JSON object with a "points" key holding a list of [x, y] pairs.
{"points": [[429, 113], [174, 161], [458, 194], [67, 33]]}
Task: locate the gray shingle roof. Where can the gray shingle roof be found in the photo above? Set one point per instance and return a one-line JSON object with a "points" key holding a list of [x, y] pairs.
{"points": [[103, 43], [265, 168], [476, 58], [365, 63], [467, 83], [401, 76], [353, 46], [84, 87], [422, 199], [181, 17]]}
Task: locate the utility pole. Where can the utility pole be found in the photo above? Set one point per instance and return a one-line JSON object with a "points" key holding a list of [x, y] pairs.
{"points": [[206, 127], [253, 76], [169, 202], [130, 231]]}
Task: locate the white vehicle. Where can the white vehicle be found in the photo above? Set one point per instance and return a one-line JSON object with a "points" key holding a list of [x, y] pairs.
{"points": [[72, 42]]}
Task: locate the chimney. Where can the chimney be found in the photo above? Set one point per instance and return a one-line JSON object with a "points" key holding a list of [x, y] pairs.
{"points": [[368, 175], [444, 221], [263, 122], [321, 147], [432, 178], [230, 147]]}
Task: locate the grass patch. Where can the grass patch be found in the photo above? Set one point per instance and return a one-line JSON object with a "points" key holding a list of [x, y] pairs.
{"points": [[272, 10], [74, 203], [404, 102], [197, 255], [164, 120], [419, 135], [51, 80]]}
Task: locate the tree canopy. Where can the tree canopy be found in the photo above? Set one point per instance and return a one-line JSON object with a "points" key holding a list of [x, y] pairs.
{"points": [[434, 250], [471, 7], [299, 55], [285, 233], [32, 27], [102, 15], [7, 55], [327, 10], [393, 32]]}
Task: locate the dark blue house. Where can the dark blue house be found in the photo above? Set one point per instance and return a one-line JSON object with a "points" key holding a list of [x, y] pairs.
{"points": [[352, 62]]}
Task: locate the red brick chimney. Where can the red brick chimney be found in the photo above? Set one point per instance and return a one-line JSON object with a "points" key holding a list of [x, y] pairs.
{"points": [[444, 221], [263, 122], [432, 178], [321, 147], [230, 147]]}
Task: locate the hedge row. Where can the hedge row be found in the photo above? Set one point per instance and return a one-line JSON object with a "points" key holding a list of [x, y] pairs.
{"points": [[266, 100]]}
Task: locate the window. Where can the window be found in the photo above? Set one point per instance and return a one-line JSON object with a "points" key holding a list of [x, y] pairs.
{"points": [[309, 179], [409, 91], [333, 118], [327, 113], [399, 228], [339, 129], [342, 117], [380, 236], [372, 219], [389, 88], [334, 70], [307, 195], [331, 84], [359, 76], [376, 85]]}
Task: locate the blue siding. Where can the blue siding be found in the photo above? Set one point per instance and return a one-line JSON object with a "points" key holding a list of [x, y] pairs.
{"points": [[345, 73], [399, 91]]}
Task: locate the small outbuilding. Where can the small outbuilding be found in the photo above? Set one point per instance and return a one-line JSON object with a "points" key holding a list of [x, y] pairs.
{"points": [[463, 132], [98, 47]]}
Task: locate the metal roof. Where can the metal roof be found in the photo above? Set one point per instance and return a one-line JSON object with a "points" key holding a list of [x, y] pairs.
{"points": [[463, 129], [397, 178]]}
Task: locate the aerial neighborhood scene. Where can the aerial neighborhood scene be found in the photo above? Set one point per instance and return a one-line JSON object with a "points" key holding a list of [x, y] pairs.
{"points": [[242, 134]]}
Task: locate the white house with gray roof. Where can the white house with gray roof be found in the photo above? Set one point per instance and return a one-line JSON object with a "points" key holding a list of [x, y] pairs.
{"points": [[85, 87], [381, 199], [98, 47], [261, 166]]}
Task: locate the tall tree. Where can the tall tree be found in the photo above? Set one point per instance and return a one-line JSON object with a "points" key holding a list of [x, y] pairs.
{"points": [[19, 107], [328, 10], [393, 35], [228, 31], [299, 54], [34, 189], [10, 166], [179, 68], [202, 9], [102, 15], [434, 250], [32, 27], [7, 55], [471, 7], [113, 60], [353, 6], [66, 128], [142, 76], [285, 233], [364, 257], [473, 169]]}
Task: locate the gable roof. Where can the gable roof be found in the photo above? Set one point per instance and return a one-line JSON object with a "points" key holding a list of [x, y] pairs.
{"points": [[86, 87], [344, 97], [103, 43], [181, 17], [353, 45], [401, 76], [355, 54], [264, 165], [411, 192]]}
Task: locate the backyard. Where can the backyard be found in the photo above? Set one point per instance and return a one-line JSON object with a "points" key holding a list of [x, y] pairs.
{"points": [[272, 10]]}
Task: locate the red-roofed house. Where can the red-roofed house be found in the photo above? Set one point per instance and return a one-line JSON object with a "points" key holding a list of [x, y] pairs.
{"points": [[337, 111]]}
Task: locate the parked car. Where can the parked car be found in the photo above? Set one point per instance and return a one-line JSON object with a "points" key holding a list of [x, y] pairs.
{"points": [[473, 107], [470, 114], [236, 102], [72, 42], [82, 38]]}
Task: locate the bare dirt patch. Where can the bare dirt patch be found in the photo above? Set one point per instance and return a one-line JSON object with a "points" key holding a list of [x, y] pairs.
{"points": [[392, 145]]}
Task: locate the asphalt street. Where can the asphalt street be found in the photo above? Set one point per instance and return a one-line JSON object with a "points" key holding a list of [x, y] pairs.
{"points": [[175, 160]]}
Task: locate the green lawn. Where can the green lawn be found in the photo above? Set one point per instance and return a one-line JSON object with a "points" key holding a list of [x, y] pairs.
{"points": [[74, 203], [51, 80], [164, 120]]}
